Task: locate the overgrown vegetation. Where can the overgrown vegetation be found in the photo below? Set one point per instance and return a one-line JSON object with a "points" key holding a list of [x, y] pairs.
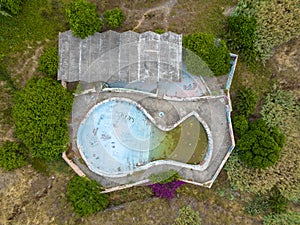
{"points": [[40, 114], [13, 155], [84, 194], [282, 219], [262, 181], [211, 50], [245, 102], [83, 19], [267, 22], [241, 36], [114, 18], [187, 216], [48, 62], [11, 6]]}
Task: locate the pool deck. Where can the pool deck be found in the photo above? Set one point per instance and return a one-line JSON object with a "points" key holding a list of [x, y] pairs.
{"points": [[213, 110]]}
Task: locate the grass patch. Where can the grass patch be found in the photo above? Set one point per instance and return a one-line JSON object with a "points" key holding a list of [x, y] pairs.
{"points": [[39, 20], [191, 16]]}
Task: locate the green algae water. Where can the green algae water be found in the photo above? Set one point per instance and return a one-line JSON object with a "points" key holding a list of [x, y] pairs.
{"points": [[186, 143]]}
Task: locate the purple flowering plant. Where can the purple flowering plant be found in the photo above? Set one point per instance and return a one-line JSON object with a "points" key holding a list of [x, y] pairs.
{"points": [[166, 190], [164, 185]]}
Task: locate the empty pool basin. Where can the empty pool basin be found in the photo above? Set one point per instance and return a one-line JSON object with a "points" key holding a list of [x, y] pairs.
{"points": [[116, 138]]}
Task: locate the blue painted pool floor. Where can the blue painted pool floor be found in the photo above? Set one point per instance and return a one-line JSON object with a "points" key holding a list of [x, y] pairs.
{"points": [[116, 137]]}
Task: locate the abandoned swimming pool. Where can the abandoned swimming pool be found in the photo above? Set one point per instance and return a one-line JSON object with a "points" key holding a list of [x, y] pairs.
{"points": [[117, 138]]}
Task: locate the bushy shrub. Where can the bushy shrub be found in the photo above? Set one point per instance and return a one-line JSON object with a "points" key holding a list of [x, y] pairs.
{"points": [[211, 50], [240, 125], [166, 190], [187, 216], [83, 18], [13, 155], [41, 113], [85, 196], [48, 62], [260, 147], [245, 102], [11, 6], [114, 18], [242, 36]]}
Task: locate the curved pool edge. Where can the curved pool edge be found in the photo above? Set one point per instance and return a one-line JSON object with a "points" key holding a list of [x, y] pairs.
{"points": [[198, 167]]}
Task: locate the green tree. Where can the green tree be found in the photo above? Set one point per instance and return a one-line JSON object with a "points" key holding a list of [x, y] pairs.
{"points": [[240, 125], [187, 216], [242, 36], [211, 50], [13, 155], [48, 62], [260, 147], [41, 113], [84, 194], [114, 18], [83, 19]]}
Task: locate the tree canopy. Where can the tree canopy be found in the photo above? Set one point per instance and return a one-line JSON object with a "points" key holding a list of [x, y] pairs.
{"points": [[211, 50], [84, 194], [260, 147], [40, 113], [83, 18]]}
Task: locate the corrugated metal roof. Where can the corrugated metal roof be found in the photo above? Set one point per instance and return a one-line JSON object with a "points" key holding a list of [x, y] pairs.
{"points": [[113, 56]]}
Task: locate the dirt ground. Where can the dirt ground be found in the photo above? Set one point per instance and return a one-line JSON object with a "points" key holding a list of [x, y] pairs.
{"points": [[29, 197]]}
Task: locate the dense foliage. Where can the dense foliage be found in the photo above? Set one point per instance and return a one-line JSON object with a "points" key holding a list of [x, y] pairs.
{"points": [[241, 36], [11, 6], [240, 125], [48, 62], [40, 113], [13, 155], [83, 18], [187, 216], [260, 147], [114, 18], [277, 22], [166, 190], [211, 50], [285, 173], [84, 194], [245, 102]]}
